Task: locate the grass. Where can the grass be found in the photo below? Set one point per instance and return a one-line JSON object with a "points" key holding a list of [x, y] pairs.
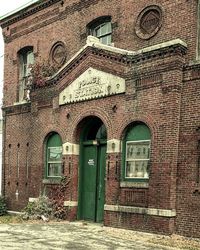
{"points": [[6, 219]]}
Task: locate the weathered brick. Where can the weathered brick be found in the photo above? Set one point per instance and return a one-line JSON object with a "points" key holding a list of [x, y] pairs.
{"points": [[162, 90]]}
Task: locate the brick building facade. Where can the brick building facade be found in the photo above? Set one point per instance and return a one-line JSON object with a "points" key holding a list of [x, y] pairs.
{"points": [[119, 118]]}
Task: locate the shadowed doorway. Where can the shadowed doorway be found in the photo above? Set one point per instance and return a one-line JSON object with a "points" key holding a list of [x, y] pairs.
{"points": [[92, 170]]}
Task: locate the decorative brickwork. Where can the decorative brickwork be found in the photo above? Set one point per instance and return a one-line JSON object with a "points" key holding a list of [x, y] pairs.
{"points": [[149, 22]]}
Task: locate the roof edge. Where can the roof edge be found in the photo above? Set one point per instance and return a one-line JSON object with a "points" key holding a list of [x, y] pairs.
{"points": [[24, 11], [93, 42]]}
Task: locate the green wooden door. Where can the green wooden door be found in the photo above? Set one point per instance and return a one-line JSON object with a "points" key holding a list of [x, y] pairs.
{"points": [[100, 199], [88, 192], [92, 184]]}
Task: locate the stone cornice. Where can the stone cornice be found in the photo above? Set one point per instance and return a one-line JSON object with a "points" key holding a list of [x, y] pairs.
{"points": [[129, 58], [27, 11], [17, 109]]}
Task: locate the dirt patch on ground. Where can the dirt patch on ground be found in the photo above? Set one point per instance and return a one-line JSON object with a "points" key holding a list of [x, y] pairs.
{"points": [[173, 241], [178, 242]]}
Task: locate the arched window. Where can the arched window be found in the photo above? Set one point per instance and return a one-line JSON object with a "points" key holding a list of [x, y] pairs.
{"points": [[26, 59], [137, 152], [102, 29], [53, 156]]}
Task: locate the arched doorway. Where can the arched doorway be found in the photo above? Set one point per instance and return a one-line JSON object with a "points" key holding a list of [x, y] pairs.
{"points": [[92, 170]]}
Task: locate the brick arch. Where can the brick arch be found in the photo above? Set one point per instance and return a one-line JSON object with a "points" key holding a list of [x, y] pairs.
{"points": [[146, 119], [26, 45], [92, 111], [98, 20], [52, 130]]}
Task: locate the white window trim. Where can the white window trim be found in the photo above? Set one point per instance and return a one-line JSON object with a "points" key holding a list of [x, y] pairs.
{"points": [[146, 159], [59, 162], [93, 31]]}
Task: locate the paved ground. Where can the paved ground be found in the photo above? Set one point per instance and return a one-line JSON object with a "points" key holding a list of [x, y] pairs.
{"points": [[77, 235]]}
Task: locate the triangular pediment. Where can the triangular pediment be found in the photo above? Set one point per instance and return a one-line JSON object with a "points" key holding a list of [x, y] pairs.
{"points": [[92, 84]]}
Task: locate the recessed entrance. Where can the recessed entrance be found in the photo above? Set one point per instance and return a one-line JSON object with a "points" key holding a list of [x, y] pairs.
{"points": [[92, 170]]}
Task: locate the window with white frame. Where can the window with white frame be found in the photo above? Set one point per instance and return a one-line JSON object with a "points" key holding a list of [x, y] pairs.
{"points": [[54, 156], [137, 152], [102, 29], [26, 59], [103, 32]]}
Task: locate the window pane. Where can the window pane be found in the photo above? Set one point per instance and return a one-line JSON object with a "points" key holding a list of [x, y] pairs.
{"points": [[55, 154], [104, 29], [109, 27], [103, 32], [98, 32], [54, 169], [30, 57], [103, 40], [137, 169], [137, 159], [109, 39], [137, 150], [30, 61]]}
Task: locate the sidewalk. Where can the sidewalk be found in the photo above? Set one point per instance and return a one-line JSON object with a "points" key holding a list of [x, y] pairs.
{"points": [[83, 236]]}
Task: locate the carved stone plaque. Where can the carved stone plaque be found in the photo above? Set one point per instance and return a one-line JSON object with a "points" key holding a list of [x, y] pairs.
{"points": [[92, 84], [58, 54], [149, 22]]}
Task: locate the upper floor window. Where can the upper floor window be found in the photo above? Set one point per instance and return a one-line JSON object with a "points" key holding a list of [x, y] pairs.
{"points": [[137, 152], [102, 29], [26, 59]]}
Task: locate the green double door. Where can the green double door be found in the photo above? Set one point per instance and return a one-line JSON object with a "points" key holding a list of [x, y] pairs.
{"points": [[92, 185]]}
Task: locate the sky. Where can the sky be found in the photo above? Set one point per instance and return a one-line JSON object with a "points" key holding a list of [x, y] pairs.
{"points": [[7, 6]]}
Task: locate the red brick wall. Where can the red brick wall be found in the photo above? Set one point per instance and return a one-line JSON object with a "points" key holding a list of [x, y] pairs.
{"points": [[188, 167], [68, 24], [140, 222], [160, 91]]}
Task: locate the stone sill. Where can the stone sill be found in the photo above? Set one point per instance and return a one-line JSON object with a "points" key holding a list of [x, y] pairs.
{"points": [[51, 181], [21, 103], [126, 184]]}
